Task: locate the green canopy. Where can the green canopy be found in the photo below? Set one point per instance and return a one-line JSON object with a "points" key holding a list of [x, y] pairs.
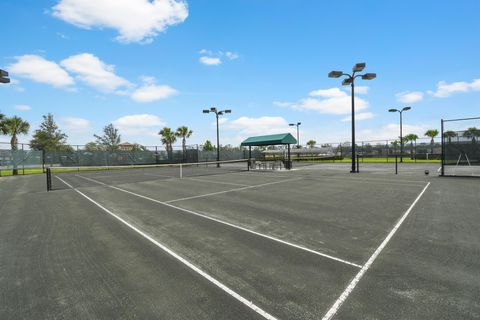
{"points": [[272, 139]]}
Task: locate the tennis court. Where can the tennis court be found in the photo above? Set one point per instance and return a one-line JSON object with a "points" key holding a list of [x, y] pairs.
{"points": [[316, 242]]}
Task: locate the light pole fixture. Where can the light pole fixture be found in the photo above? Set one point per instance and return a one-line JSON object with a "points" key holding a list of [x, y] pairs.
{"points": [[401, 128], [217, 114], [298, 135], [350, 80], [4, 76]]}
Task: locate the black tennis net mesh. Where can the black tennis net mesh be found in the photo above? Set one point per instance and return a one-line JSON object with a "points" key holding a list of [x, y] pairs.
{"points": [[461, 148], [75, 177]]}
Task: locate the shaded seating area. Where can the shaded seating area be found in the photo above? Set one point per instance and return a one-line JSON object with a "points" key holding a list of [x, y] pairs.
{"points": [[269, 140]]}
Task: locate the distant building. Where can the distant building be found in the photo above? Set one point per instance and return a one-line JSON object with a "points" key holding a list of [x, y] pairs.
{"points": [[126, 146]]}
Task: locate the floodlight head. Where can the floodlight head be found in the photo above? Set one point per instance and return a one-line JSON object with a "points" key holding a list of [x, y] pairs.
{"points": [[220, 113], [4, 76], [335, 74], [369, 76], [347, 82], [299, 123], [359, 67], [406, 108], [228, 111], [206, 111], [213, 109], [393, 110], [291, 124]]}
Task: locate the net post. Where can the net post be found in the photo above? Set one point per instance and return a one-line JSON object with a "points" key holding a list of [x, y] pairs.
{"points": [[396, 164], [358, 161], [181, 171], [49, 179]]}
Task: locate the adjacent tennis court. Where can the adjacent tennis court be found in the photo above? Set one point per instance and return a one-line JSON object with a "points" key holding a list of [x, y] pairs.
{"points": [[231, 242]]}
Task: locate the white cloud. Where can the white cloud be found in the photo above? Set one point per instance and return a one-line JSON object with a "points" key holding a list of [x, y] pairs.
{"points": [[210, 61], [409, 97], [231, 55], [95, 72], [152, 92], [139, 125], [282, 104], [23, 107], [361, 89], [330, 101], [445, 89], [38, 69], [214, 58], [360, 116], [390, 131], [75, 124], [327, 101], [134, 20], [259, 126], [328, 93]]}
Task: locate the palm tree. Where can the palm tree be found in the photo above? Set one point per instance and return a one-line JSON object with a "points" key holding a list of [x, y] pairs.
{"points": [[168, 138], [412, 137], [472, 133], [13, 127], [311, 143], [184, 133], [432, 133], [449, 134]]}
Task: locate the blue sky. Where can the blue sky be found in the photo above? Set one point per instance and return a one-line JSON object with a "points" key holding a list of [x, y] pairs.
{"points": [[145, 64]]}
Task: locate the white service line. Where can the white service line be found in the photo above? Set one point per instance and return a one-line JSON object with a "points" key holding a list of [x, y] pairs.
{"points": [[231, 190], [218, 182], [232, 293], [334, 308], [230, 225]]}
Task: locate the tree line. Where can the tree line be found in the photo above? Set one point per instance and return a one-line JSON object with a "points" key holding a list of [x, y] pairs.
{"points": [[49, 137]]}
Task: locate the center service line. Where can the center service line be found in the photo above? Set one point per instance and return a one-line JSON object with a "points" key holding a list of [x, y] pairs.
{"points": [[229, 224], [232, 293], [338, 303]]}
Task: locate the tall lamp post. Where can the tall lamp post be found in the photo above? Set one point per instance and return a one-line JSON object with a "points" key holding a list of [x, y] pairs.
{"points": [[217, 114], [4, 76], [298, 135], [401, 128], [350, 80]]}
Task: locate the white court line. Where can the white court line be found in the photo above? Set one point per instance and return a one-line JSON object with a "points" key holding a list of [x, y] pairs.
{"points": [[231, 190], [218, 182], [338, 303], [231, 225], [232, 293], [379, 181]]}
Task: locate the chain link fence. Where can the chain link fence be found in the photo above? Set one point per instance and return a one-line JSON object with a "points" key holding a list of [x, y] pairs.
{"points": [[26, 161]]}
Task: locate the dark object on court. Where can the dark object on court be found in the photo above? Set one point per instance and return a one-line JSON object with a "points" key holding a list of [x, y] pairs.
{"points": [[427, 172]]}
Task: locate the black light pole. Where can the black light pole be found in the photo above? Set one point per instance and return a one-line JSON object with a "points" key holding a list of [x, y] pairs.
{"points": [[401, 128], [4, 76], [298, 135], [217, 114], [350, 80]]}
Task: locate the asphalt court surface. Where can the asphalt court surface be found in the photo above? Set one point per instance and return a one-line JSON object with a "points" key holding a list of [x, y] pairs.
{"points": [[247, 245]]}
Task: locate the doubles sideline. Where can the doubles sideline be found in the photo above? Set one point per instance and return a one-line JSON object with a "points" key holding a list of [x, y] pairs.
{"points": [[348, 290]]}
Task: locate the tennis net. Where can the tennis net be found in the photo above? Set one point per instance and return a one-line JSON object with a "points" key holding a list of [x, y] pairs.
{"points": [[73, 177]]}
